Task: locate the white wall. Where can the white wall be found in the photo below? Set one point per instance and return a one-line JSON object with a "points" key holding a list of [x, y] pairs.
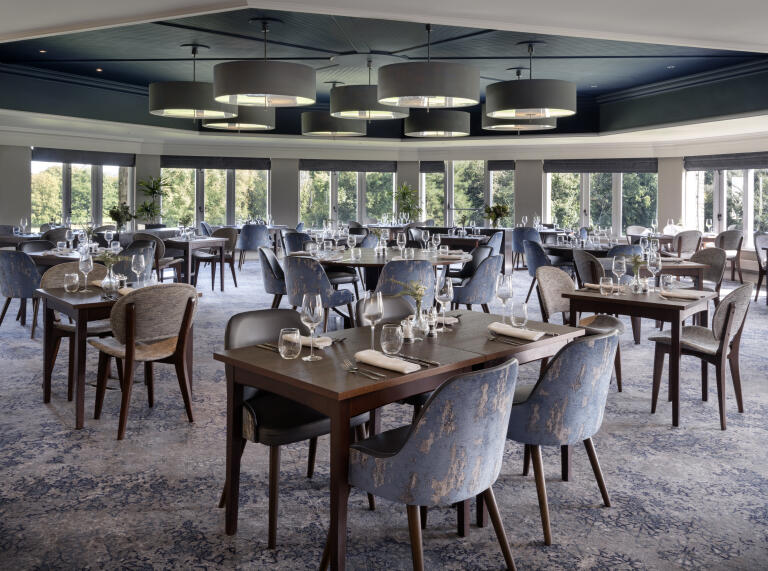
{"points": [[671, 201], [15, 184], [284, 191], [529, 189]]}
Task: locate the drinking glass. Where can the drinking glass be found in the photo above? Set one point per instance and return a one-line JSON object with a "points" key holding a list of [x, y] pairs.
{"points": [[108, 235], [436, 240], [23, 224], [654, 224], [373, 311], [655, 245], [114, 247], [444, 296], [503, 292], [60, 246], [138, 265], [619, 269], [424, 239], [86, 266], [519, 314], [71, 282], [311, 248], [328, 245], [443, 250], [289, 343], [69, 236], [16, 231], [654, 267], [391, 338], [666, 283], [385, 234], [401, 241], [408, 254], [644, 245], [606, 286], [524, 220], [708, 224], [311, 316], [351, 241]]}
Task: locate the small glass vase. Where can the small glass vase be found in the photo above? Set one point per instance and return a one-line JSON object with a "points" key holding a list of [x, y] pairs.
{"points": [[636, 286], [419, 325], [110, 284]]}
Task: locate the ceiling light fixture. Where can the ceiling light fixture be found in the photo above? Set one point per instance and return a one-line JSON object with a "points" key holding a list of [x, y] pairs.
{"points": [[43, 51], [491, 124], [187, 99], [248, 119], [321, 124], [362, 102], [264, 83], [429, 84], [98, 69], [530, 98], [437, 123]]}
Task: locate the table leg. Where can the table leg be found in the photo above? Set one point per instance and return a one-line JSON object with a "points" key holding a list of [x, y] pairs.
{"points": [[565, 460], [48, 347], [81, 332], [337, 536], [188, 265], [221, 266], [674, 369], [234, 446]]}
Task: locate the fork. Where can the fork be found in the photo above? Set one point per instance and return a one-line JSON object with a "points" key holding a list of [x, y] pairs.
{"points": [[348, 366], [505, 341]]}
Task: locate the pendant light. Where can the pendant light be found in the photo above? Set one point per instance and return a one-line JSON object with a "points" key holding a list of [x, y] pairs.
{"points": [[362, 102], [264, 83], [187, 99], [491, 124], [530, 98], [429, 84], [248, 119], [321, 124], [437, 123]]}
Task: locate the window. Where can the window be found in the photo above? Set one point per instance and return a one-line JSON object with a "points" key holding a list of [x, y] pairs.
{"points": [[639, 195], [115, 189], [468, 192], [601, 199], [761, 200], [503, 192], [46, 193], [433, 187], [215, 191], [179, 199], [565, 190], [734, 196], [346, 196], [251, 188], [80, 209], [379, 194], [700, 187], [314, 197]]}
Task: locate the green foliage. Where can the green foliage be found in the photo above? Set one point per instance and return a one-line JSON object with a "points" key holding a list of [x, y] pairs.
{"points": [[379, 194], [601, 198], [415, 289], [46, 196], [120, 214], [639, 199], [148, 211], [179, 197], [503, 188], [434, 194], [185, 219], [346, 196], [153, 188], [496, 212], [80, 212], [637, 261], [565, 198], [215, 196], [251, 194], [468, 189], [407, 198], [314, 197], [761, 200]]}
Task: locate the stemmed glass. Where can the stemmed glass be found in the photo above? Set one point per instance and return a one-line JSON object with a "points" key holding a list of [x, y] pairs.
{"points": [[654, 267], [654, 224], [644, 245], [311, 316], [373, 311], [503, 292], [108, 235], [708, 224], [69, 236], [138, 265], [401, 241], [436, 240], [86, 266], [23, 225], [444, 296], [424, 239], [619, 269], [524, 220]]}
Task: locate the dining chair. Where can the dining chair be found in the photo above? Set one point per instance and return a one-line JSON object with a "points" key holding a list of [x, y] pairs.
{"points": [[565, 406], [481, 287], [397, 274], [395, 309], [300, 227], [295, 241], [149, 325], [33, 246], [478, 253], [271, 419], [731, 241], [588, 267], [494, 242], [354, 224], [626, 250], [19, 279], [685, 244], [54, 278], [714, 345], [55, 235], [104, 228], [761, 243], [205, 228], [214, 258], [535, 258], [306, 275], [124, 265], [448, 455], [371, 240], [161, 262], [552, 284], [251, 238], [715, 259], [519, 236], [273, 275], [634, 233]]}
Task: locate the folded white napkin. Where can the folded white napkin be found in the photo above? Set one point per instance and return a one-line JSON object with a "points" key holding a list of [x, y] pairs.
{"points": [[320, 342], [683, 294], [596, 287], [452, 256], [125, 290], [396, 258], [448, 320], [509, 331], [377, 359]]}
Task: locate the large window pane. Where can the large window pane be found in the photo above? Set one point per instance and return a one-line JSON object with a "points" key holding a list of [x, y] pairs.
{"points": [[46, 193], [503, 192], [115, 187], [565, 190], [379, 194], [179, 197], [639, 194], [314, 197], [215, 185], [601, 199], [251, 194], [699, 189], [761, 200], [433, 184], [346, 197], [81, 194], [734, 196], [468, 195]]}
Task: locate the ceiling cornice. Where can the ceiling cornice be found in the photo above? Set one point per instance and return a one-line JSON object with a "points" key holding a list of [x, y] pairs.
{"points": [[73, 79]]}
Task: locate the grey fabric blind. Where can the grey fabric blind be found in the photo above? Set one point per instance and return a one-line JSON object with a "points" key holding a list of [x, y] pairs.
{"points": [[347, 165], [602, 165], [83, 157], [501, 165], [733, 161], [432, 166], [187, 162]]}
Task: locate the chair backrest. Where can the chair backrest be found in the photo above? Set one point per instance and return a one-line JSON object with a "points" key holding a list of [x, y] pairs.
{"points": [[300, 227], [396, 308], [54, 276], [761, 243], [143, 243], [124, 266], [637, 231], [305, 275], [479, 253], [729, 240], [253, 237], [360, 231], [230, 234], [370, 241], [494, 242], [715, 259], [567, 403], [739, 298], [552, 283], [295, 241], [481, 287], [415, 234], [583, 233], [205, 228], [455, 447], [159, 244], [520, 235], [55, 235], [159, 311], [687, 241], [354, 224], [271, 272], [105, 227], [404, 272], [18, 275], [625, 250], [588, 267], [535, 256], [36, 246]]}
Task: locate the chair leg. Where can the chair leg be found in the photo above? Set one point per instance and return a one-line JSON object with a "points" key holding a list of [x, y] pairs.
{"points": [[720, 376], [213, 276], [326, 311], [760, 275], [232, 268], [22, 317], [126, 398], [658, 366], [101, 383], [8, 302], [737, 261], [423, 511], [276, 301], [70, 368], [704, 383], [183, 375], [530, 289], [463, 517], [274, 481], [485, 307], [311, 457], [589, 445], [414, 526], [541, 490], [351, 315], [197, 273], [617, 367], [498, 527], [733, 360], [35, 309], [733, 269], [149, 380], [637, 329], [357, 292], [526, 459]]}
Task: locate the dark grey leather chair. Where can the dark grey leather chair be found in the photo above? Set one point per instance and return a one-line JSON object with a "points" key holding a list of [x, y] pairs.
{"points": [[36, 246], [479, 253]]}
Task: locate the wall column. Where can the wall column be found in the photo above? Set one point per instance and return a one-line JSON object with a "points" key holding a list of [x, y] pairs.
{"points": [[530, 188], [284, 191], [15, 184], [671, 201]]}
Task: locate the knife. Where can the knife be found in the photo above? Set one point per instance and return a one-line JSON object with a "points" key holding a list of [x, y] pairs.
{"points": [[418, 360]]}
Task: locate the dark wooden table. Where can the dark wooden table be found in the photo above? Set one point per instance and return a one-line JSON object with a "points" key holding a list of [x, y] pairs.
{"points": [[326, 387], [48, 259], [369, 259], [567, 251], [681, 268], [189, 246]]}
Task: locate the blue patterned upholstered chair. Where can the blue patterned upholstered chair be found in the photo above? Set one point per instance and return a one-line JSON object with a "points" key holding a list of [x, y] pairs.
{"points": [[370, 241], [305, 275], [718, 346], [273, 275], [32, 246], [295, 241], [494, 242], [479, 253], [452, 452], [520, 235], [535, 258], [19, 279], [205, 228], [625, 250], [270, 419], [565, 406], [405, 271], [300, 227], [251, 238], [731, 241], [761, 243], [481, 287], [583, 233]]}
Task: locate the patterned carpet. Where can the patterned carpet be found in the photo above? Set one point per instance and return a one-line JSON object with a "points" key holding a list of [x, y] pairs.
{"points": [[690, 497]]}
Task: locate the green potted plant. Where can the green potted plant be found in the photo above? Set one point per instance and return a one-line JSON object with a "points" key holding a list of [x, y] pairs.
{"points": [[121, 215], [407, 198], [496, 212], [153, 188], [185, 219]]}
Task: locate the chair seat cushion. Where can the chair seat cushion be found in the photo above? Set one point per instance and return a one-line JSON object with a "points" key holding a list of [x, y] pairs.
{"points": [[144, 351], [384, 445], [341, 277], [601, 323], [341, 297], [731, 254], [693, 337], [99, 327], [274, 420]]}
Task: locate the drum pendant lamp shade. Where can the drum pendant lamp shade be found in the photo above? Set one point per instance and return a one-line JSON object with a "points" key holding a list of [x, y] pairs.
{"points": [[187, 100], [248, 119], [491, 124], [431, 84], [361, 102], [437, 123], [264, 83], [321, 124], [530, 99]]}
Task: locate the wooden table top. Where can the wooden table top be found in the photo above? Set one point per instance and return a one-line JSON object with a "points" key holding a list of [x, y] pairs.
{"points": [[369, 258], [195, 243], [78, 300], [651, 300]]}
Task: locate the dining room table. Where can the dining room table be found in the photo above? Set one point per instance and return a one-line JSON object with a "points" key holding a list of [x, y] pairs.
{"points": [[188, 247], [328, 388]]}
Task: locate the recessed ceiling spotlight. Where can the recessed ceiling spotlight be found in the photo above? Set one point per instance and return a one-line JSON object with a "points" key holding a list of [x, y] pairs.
{"points": [[99, 69], [671, 67], [594, 86], [43, 51]]}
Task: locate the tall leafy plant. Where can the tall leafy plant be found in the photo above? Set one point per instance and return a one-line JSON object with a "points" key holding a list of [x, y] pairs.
{"points": [[154, 189], [407, 199]]}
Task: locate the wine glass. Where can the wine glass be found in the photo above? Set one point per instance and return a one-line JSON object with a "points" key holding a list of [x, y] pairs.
{"points": [[138, 265], [654, 266], [311, 316], [708, 224], [373, 311], [519, 314], [644, 245], [23, 224], [401, 241], [524, 220], [503, 292], [391, 338], [86, 267], [108, 235], [436, 240], [444, 296], [654, 224], [619, 269], [424, 239], [289, 343]]}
